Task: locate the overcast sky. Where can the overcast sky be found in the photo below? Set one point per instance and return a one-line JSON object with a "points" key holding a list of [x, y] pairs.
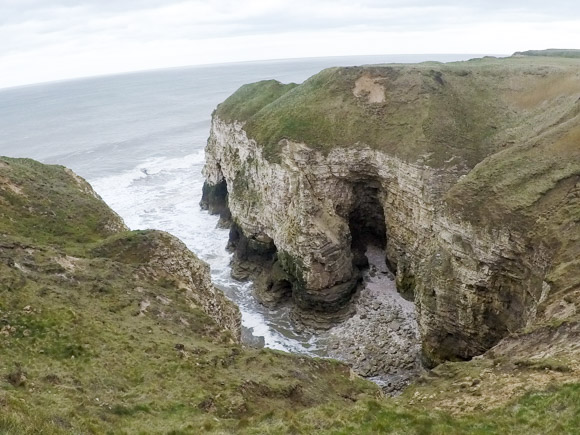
{"points": [[42, 40]]}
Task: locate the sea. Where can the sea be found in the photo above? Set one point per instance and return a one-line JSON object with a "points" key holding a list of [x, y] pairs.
{"points": [[139, 139]]}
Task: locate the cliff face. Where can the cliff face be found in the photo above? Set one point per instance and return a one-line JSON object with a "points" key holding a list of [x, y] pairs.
{"points": [[467, 174]]}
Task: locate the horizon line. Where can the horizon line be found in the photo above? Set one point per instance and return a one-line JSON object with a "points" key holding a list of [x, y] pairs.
{"points": [[201, 65]]}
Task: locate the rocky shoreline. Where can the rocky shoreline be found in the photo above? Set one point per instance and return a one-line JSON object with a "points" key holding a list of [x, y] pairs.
{"points": [[381, 340], [377, 334]]}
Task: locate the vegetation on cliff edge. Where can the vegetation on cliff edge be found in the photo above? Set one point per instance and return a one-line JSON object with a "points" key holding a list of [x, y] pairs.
{"points": [[441, 115], [551, 52]]}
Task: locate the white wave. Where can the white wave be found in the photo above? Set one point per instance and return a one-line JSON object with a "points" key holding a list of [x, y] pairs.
{"points": [[152, 166]]}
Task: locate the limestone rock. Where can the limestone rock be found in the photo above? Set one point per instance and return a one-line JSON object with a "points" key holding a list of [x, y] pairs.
{"points": [[473, 177]]}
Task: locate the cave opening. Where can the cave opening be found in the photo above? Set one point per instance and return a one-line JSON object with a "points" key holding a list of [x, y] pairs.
{"points": [[366, 223], [214, 198]]}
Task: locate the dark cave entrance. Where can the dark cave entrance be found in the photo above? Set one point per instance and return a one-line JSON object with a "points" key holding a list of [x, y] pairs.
{"points": [[214, 198], [366, 222]]}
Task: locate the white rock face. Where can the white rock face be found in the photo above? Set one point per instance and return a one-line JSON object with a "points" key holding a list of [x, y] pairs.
{"points": [[471, 285]]}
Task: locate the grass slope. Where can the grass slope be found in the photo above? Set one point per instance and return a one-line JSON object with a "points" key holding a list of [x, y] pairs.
{"points": [[551, 52], [50, 205], [553, 411], [250, 98]]}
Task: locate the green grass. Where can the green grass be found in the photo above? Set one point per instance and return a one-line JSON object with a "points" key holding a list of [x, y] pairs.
{"points": [[81, 355], [552, 52], [441, 115], [251, 98], [93, 363], [553, 411], [48, 205]]}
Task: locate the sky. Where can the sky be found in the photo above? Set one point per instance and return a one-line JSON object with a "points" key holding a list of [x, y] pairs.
{"points": [[45, 40]]}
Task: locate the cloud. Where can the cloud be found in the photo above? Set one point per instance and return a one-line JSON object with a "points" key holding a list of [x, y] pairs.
{"points": [[47, 40]]}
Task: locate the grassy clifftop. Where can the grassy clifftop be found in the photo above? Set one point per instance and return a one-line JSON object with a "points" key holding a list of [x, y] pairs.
{"points": [[102, 330], [551, 52], [251, 98], [100, 336], [443, 115], [50, 205]]}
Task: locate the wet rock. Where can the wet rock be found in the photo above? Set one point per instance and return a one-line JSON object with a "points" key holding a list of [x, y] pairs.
{"points": [[249, 339], [381, 342]]}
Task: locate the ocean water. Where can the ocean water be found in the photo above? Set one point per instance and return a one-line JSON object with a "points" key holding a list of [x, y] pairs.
{"points": [[139, 139]]}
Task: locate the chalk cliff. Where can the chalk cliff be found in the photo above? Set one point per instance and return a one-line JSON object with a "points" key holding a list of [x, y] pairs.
{"points": [[467, 174]]}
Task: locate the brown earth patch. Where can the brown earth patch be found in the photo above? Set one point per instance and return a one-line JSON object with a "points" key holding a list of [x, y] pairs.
{"points": [[367, 87], [6, 184]]}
